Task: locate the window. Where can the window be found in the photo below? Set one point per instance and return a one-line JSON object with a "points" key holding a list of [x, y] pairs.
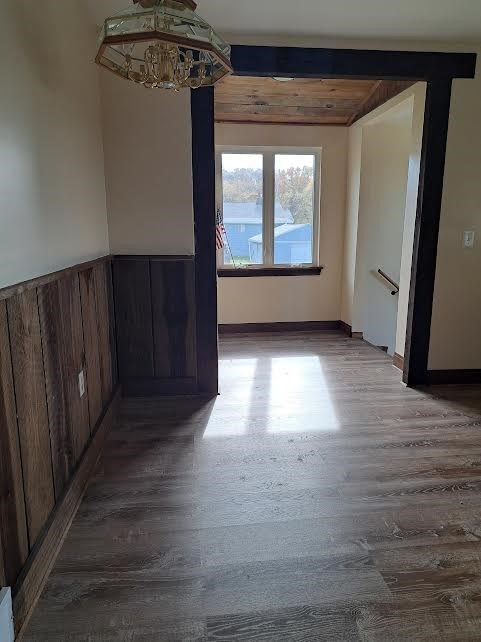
{"points": [[269, 199]]}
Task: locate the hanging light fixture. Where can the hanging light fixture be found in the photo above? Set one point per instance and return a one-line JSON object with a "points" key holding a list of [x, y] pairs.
{"points": [[163, 44]]}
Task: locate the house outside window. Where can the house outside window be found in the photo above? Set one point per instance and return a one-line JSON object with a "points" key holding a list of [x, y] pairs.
{"points": [[270, 199]]}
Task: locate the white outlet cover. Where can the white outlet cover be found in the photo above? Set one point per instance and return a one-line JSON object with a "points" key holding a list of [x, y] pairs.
{"points": [[81, 383], [6, 616], [468, 238]]}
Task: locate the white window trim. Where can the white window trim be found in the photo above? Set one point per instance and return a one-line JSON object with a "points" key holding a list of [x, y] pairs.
{"points": [[269, 154]]}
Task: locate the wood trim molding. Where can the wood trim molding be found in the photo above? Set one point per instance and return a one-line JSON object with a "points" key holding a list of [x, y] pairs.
{"points": [[32, 579], [426, 232], [269, 271], [286, 326], [345, 328], [438, 69], [448, 377], [398, 361], [36, 282], [383, 91], [355, 116], [154, 257], [203, 177]]}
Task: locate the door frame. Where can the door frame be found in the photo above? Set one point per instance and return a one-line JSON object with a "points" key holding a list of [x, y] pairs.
{"points": [[438, 70]]}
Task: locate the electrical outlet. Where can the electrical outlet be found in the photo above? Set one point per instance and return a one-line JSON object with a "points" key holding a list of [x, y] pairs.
{"points": [[81, 383], [468, 239]]}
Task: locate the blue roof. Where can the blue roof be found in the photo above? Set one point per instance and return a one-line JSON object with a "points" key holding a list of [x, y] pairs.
{"points": [[252, 213], [300, 232]]}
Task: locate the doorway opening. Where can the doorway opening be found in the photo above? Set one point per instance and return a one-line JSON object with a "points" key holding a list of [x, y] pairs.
{"points": [[317, 179], [438, 71]]}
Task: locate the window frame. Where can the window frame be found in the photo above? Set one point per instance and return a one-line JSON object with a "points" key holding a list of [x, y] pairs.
{"points": [[268, 267]]}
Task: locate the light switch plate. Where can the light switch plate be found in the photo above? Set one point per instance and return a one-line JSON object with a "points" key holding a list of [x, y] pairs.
{"points": [[81, 383], [468, 239]]}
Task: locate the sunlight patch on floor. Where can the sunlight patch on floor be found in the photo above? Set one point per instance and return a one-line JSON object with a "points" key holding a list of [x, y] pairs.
{"points": [[272, 392]]}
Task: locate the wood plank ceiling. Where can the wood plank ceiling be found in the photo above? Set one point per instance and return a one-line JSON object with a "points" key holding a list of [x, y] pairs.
{"points": [[301, 101]]}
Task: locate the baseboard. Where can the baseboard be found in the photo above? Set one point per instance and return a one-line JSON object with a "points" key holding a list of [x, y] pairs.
{"points": [[398, 361], [32, 579], [149, 386], [346, 328], [453, 377], [357, 335], [285, 326]]}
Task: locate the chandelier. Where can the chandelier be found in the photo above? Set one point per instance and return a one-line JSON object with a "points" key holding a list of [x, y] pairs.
{"points": [[163, 44]]}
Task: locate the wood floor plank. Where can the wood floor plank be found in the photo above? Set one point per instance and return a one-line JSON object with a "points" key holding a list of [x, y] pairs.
{"points": [[307, 623], [316, 498]]}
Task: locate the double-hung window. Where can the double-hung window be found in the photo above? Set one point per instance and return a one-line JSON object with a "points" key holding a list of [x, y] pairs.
{"points": [[268, 202]]}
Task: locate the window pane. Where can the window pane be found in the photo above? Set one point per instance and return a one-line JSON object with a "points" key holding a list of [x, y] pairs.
{"points": [[294, 208], [242, 184]]}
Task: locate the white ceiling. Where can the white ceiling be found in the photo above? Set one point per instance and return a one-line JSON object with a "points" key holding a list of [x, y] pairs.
{"points": [[429, 20]]}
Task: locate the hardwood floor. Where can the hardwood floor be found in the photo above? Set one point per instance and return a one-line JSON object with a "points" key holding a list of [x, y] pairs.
{"points": [[315, 499]]}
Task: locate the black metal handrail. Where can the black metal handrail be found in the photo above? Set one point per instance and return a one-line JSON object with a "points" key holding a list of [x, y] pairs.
{"points": [[390, 281]]}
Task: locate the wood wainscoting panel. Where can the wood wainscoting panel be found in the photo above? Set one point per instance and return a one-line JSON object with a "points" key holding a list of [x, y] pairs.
{"points": [[91, 341], [133, 311], [101, 276], [29, 381], [173, 312], [63, 355], [112, 330], [51, 328], [13, 523], [155, 319]]}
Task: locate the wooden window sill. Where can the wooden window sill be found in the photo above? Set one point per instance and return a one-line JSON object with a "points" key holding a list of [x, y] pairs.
{"points": [[269, 271]]}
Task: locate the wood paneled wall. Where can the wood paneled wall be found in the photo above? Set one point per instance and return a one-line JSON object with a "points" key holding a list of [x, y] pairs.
{"points": [[155, 321], [51, 329]]}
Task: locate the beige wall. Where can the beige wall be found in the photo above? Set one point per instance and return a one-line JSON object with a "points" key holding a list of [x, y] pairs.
{"points": [[456, 323], [148, 168], [52, 189], [301, 298]]}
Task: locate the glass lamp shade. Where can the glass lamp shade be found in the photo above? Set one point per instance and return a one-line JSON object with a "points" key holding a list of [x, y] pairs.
{"points": [[163, 44]]}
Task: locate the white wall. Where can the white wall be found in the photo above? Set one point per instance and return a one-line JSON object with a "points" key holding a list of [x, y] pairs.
{"points": [[300, 298], [382, 200], [353, 186], [411, 104], [419, 99], [148, 168], [52, 190]]}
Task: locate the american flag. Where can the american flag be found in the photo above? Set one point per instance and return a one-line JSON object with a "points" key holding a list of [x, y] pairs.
{"points": [[219, 230]]}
